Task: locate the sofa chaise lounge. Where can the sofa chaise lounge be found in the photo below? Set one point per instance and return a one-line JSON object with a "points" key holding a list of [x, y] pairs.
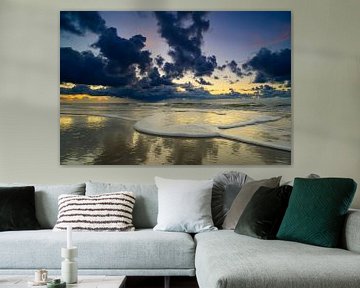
{"points": [[219, 259]]}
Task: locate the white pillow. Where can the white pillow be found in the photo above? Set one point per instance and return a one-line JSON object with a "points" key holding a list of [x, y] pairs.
{"points": [[184, 205]]}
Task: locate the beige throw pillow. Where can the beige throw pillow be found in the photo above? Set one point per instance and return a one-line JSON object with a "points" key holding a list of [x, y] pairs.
{"points": [[243, 198]]}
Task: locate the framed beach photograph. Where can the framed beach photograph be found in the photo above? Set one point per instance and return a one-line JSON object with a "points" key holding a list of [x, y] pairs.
{"points": [[175, 88]]}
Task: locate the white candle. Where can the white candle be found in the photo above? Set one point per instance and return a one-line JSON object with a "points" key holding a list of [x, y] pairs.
{"points": [[69, 239]]}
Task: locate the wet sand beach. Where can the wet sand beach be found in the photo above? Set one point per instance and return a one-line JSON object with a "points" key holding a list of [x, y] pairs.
{"points": [[105, 135]]}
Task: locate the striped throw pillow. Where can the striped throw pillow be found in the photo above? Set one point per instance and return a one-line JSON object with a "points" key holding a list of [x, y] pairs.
{"points": [[105, 212]]}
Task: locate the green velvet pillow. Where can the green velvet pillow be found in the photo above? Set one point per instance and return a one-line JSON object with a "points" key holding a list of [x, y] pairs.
{"points": [[263, 215], [17, 208], [316, 211]]}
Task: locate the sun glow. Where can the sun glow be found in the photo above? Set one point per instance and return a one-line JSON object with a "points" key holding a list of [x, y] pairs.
{"points": [[97, 87], [67, 85], [180, 89], [222, 85], [84, 98]]}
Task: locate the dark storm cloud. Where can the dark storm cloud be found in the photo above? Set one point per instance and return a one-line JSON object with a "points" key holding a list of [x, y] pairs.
{"points": [[183, 31], [154, 79], [79, 22], [150, 94], [86, 68], [202, 81], [123, 53], [235, 68], [172, 70], [168, 92], [159, 60], [222, 67], [233, 81], [118, 59], [270, 66], [204, 66], [188, 86], [234, 93], [266, 91]]}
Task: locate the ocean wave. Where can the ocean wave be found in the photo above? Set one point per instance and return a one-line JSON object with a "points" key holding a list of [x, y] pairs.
{"points": [[262, 119], [159, 126], [198, 110], [257, 142]]}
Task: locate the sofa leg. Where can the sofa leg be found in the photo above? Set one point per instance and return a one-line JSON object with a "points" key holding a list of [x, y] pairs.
{"points": [[167, 282]]}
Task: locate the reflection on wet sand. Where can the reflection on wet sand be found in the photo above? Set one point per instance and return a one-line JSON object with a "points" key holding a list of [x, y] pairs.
{"points": [[82, 142], [96, 121], [66, 122]]}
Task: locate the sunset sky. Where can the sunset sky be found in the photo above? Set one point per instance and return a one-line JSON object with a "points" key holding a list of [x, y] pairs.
{"points": [[155, 56]]}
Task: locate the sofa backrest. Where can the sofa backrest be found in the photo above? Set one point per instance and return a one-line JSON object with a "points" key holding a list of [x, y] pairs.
{"points": [[146, 203], [46, 200]]}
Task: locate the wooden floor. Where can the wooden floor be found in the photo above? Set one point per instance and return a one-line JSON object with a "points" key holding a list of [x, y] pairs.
{"points": [[158, 282]]}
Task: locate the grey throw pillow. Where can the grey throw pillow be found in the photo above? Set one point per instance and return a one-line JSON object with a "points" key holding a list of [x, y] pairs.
{"points": [[184, 205], [226, 187], [242, 199], [263, 215]]}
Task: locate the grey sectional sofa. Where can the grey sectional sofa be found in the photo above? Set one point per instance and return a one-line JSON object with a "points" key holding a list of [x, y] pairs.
{"points": [[219, 259]]}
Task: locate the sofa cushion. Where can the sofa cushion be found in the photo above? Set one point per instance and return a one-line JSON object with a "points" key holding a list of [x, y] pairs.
{"points": [[317, 209], [105, 212], [17, 208], [146, 205], [243, 198], [184, 205], [263, 215], [225, 259], [143, 249], [351, 236], [46, 200], [225, 189]]}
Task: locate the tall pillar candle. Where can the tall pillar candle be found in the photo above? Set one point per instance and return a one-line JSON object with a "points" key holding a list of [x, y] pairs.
{"points": [[69, 237], [69, 265]]}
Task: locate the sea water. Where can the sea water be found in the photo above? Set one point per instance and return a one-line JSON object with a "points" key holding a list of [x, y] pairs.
{"points": [[245, 132]]}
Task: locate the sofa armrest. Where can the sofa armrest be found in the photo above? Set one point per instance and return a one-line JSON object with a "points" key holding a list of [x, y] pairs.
{"points": [[351, 234]]}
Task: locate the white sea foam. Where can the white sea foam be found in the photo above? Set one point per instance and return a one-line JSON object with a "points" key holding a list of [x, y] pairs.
{"points": [[118, 116], [256, 142], [259, 120], [159, 125], [198, 110]]}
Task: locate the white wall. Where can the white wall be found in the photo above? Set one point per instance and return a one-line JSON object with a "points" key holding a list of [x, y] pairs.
{"points": [[326, 91]]}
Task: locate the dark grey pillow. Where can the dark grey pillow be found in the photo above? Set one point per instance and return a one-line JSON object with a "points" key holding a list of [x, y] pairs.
{"points": [[263, 214], [46, 200], [226, 187], [243, 198], [17, 209]]}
